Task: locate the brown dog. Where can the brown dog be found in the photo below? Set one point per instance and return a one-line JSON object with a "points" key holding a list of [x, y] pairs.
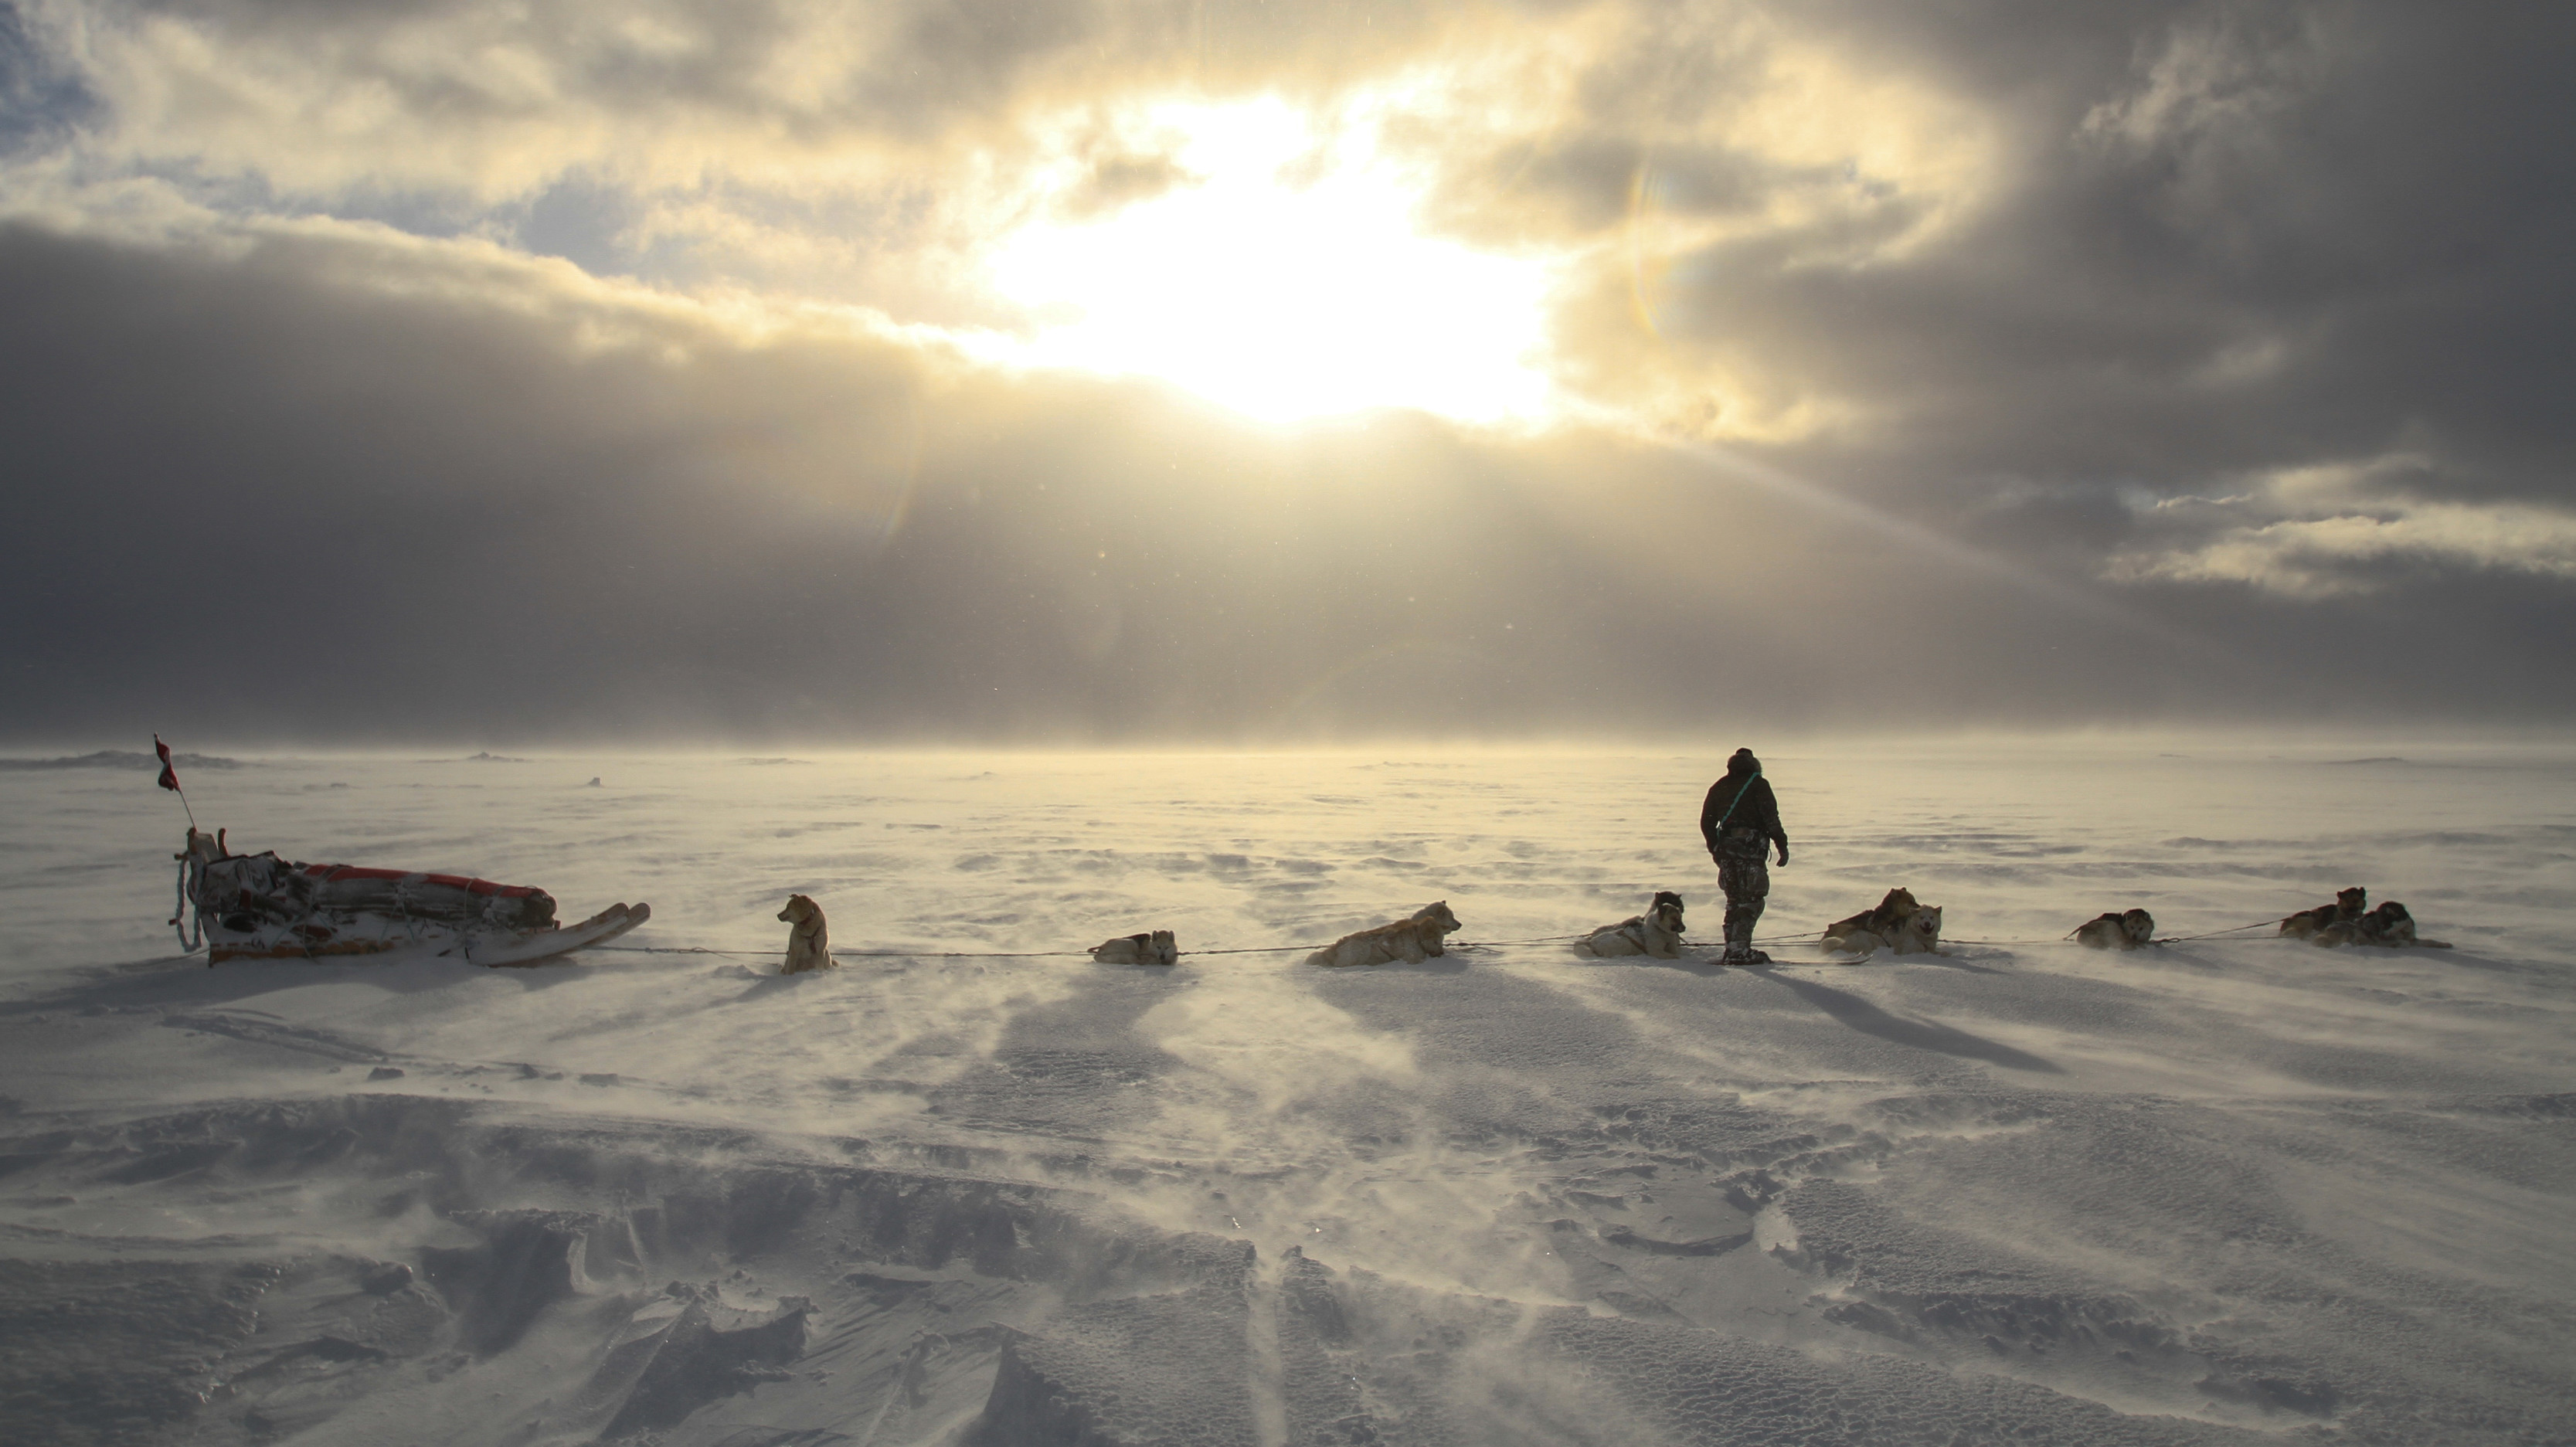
{"points": [[2125, 931], [1410, 940], [2348, 907], [809, 944], [2389, 926], [1155, 948], [1872, 928]]}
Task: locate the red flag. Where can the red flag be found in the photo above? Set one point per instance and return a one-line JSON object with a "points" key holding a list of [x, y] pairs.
{"points": [[169, 775]]}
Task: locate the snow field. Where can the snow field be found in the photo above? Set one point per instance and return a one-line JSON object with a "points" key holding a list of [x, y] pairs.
{"points": [[2212, 1191]]}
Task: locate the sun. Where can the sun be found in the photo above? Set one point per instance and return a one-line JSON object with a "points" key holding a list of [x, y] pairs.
{"points": [[1282, 274]]}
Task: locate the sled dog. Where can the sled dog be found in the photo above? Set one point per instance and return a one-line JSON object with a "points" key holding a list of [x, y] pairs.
{"points": [[2389, 925], [1145, 949], [1657, 932], [1872, 928], [2347, 907], [2124, 931], [809, 944], [1410, 940], [1920, 934]]}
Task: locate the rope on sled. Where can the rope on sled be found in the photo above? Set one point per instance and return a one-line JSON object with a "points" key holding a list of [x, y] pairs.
{"points": [[1787, 939], [1310, 949], [839, 953], [671, 950], [2158, 940], [2218, 934], [1784, 939]]}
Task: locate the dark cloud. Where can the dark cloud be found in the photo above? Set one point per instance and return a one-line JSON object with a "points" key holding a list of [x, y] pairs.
{"points": [[2303, 263], [2238, 237], [267, 498], [2227, 248], [41, 98]]}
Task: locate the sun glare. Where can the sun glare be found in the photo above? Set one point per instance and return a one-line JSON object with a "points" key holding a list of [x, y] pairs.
{"points": [[1281, 275]]}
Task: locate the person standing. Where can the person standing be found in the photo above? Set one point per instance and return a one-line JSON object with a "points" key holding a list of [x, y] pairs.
{"points": [[1740, 818]]}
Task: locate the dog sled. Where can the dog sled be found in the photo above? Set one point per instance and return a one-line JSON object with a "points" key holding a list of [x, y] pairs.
{"points": [[261, 907]]}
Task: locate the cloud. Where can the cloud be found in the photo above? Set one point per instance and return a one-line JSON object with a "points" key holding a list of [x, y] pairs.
{"points": [[667, 340], [339, 483], [2324, 532], [1982, 239], [493, 101]]}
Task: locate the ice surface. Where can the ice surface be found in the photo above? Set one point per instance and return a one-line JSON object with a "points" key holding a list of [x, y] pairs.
{"points": [[2226, 1190]]}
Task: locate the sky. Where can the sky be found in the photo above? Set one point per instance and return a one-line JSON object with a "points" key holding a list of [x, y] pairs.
{"points": [[1093, 372]]}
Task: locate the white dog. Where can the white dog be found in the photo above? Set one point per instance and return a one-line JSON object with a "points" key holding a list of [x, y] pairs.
{"points": [[1920, 934], [809, 944], [1410, 940], [1657, 932], [1146, 949]]}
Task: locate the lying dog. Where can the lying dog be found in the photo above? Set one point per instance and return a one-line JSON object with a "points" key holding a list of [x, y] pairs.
{"points": [[2347, 907], [1146, 949], [1410, 940], [1657, 932], [2124, 931], [1920, 934], [809, 944], [1878, 925], [2389, 926]]}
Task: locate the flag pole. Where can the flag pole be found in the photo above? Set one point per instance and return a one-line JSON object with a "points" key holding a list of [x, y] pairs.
{"points": [[170, 780]]}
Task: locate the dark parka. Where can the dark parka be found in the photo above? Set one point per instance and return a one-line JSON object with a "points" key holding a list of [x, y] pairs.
{"points": [[1748, 795]]}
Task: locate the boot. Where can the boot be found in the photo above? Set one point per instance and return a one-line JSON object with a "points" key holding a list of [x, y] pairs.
{"points": [[1739, 934]]}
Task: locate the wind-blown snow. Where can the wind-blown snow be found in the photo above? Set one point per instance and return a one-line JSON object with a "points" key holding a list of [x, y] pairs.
{"points": [[2214, 1191]]}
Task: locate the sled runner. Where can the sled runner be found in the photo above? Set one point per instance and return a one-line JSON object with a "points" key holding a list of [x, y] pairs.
{"points": [[261, 907]]}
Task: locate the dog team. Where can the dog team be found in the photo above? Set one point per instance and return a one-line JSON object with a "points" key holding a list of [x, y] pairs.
{"points": [[1740, 823]]}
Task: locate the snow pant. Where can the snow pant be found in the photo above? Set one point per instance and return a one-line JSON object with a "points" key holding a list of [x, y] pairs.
{"points": [[1743, 872]]}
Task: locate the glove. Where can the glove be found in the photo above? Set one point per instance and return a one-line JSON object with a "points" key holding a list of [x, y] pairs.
{"points": [[1784, 856]]}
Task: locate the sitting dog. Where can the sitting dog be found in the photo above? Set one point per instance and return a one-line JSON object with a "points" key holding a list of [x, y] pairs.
{"points": [[2389, 926], [809, 944], [1657, 932], [2347, 908], [1410, 940], [2124, 931], [1872, 928], [1146, 949]]}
